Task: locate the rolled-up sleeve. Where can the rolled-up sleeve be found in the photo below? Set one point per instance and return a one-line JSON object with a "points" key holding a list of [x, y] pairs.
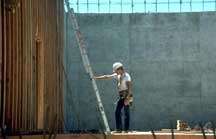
{"points": [[128, 78], [114, 76]]}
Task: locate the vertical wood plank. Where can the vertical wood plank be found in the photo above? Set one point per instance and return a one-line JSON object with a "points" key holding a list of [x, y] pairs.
{"points": [[1, 65], [33, 77]]}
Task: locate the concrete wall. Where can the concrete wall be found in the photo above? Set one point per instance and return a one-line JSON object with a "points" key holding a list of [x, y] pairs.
{"points": [[171, 58]]}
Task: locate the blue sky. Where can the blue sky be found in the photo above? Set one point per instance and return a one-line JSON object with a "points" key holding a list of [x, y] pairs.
{"points": [[140, 7]]}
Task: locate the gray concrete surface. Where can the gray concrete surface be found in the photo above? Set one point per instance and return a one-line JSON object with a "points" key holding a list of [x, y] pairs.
{"points": [[171, 58]]}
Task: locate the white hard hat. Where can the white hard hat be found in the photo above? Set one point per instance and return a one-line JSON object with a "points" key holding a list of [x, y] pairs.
{"points": [[117, 65]]}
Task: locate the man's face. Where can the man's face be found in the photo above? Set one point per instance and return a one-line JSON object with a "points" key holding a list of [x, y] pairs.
{"points": [[119, 71]]}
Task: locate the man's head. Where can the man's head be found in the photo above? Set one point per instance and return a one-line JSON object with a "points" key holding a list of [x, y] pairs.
{"points": [[118, 68]]}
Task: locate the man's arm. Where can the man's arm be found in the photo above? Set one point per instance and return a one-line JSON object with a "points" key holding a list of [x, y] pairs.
{"points": [[128, 83], [127, 100], [103, 77]]}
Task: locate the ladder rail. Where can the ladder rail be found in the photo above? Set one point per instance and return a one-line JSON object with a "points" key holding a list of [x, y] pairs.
{"points": [[78, 35], [86, 63]]}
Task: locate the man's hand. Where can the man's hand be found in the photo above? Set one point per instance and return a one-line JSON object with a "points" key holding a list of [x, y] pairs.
{"points": [[97, 77], [126, 101]]}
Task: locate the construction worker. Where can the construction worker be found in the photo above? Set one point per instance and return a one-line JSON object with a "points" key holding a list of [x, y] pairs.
{"points": [[124, 91]]}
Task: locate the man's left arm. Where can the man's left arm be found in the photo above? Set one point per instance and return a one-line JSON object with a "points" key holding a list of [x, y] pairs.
{"points": [[127, 99], [128, 83]]}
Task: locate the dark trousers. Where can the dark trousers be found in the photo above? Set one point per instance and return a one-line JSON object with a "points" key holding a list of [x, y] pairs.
{"points": [[120, 105]]}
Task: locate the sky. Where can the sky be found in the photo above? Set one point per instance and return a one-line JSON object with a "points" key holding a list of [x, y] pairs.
{"points": [[140, 6]]}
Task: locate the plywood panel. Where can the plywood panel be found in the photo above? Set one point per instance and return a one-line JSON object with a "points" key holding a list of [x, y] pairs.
{"points": [[33, 57], [1, 64], [4, 67], [117, 136]]}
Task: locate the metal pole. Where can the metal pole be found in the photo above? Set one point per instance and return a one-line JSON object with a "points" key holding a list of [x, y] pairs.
{"points": [[109, 5], [168, 5], [191, 5], [78, 6], [87, 6], [203, 131], [156, 3], [172, 130], [121, 6], [153, 134], [203, 2], [145, 6], [213, 128], [98, 6]]}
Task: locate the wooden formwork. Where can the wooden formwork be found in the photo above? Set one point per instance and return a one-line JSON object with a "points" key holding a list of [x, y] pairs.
{"points": [[115, 136], [31, 51]]}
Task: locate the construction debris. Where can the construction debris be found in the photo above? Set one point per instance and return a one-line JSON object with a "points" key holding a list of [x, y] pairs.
{"points": [[197, 127], [182, 126], [208, 126]]}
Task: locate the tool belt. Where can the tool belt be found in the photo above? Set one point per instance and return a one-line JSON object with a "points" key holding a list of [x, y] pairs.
{"points": [[124, 94]]}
